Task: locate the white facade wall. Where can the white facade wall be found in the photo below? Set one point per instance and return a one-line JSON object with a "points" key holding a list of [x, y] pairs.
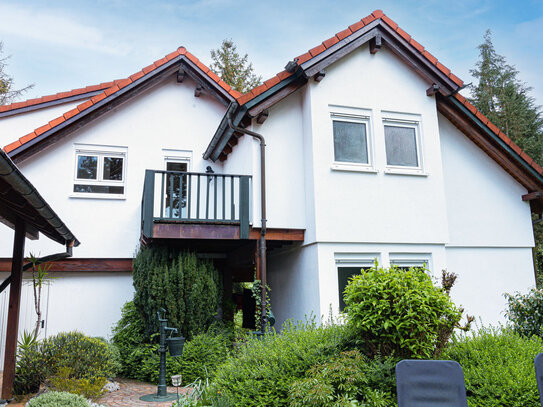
{"points": [[462, 213]]}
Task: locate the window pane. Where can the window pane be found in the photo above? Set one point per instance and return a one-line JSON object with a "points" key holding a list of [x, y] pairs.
{"points": [[87, 166], [350, 144], [98, 189], [113, 168], [401, 146], [344, 275]]}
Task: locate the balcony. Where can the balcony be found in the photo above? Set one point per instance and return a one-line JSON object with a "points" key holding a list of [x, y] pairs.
{"points": [[195, 205]]}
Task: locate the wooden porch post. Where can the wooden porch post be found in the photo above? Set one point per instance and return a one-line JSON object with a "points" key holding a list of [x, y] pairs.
{"points": [[258, 263], [13, 310]]}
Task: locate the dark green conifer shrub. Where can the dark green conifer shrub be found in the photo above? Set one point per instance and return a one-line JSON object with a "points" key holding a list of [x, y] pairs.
{"points": [[188, 289]]}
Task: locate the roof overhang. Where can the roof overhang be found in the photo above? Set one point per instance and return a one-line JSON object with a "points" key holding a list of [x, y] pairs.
{"points": [[20, 200]]}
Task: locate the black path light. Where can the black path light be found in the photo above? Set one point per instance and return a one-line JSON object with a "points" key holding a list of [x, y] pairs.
{"points": [[175, 346]]}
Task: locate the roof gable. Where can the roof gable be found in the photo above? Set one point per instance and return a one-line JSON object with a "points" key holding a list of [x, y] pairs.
{"points": [[180, 61], [378, 29]]}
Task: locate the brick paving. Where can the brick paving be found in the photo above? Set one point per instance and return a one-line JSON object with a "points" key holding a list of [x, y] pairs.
{"points": [[127, 396]]}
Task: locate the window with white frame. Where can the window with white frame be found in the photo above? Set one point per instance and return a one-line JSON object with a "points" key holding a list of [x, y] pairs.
{"points": [[175, 200], [100, 171], [403, 142], [408, 260], [351, 138], [349, 265]]}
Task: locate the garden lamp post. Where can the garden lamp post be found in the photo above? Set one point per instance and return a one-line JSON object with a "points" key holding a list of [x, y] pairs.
{"points": [[175, 345]]}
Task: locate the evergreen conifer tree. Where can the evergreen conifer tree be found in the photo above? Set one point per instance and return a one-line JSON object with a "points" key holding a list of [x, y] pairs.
{"points": [[234, 69], [506, 101]]}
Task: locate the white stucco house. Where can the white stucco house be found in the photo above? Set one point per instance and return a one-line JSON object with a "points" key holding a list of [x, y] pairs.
{"points": [[371, 153]]}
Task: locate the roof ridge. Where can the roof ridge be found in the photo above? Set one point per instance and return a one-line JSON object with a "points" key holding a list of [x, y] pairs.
{"points": [[313, 52], [56, 96], [116, 86]]}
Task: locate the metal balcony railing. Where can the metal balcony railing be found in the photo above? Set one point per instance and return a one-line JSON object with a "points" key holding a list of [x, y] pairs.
{"points": [[192, 197]]}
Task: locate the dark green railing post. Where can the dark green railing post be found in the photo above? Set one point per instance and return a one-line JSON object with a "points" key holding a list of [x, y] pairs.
{"points": [[244, 207], [148, 203]]}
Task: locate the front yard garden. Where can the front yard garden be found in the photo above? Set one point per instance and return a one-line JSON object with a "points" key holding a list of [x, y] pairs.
{"points": [[391, 314]]}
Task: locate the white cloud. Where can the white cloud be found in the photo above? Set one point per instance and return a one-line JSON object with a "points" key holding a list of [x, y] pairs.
{"points": [[56, 28]]}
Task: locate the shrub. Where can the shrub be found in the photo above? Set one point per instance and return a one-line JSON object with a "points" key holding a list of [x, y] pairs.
{"points": [[400, 312], [343, 380], [64, 381], [86, 357], [201, 355], [58, 399], [188, 288], [262, 371], [498, 367], [526, 312]]}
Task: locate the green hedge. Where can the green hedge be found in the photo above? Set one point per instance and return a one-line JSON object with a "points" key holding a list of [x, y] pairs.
{"points": [[58, 399], [262, 371], [498, 367]]}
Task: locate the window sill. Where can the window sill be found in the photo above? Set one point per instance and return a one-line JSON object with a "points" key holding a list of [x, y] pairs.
{"points": [[98, 196], [399, 171], [353, 168]]}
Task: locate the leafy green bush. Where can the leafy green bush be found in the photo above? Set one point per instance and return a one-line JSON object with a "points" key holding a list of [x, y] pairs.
{"points": [[64, 381], [140, 360], [262, 371], [400, 312], [86, 358], [343, 380], [188, 289], [526, 312], [58, 399], [498, 367]]}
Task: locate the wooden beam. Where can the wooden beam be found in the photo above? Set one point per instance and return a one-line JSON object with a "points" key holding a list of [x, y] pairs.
{"points": [[432, 90], [531, 196], [82, 265], [198, 91], [293, 235], [258, 263], [319, 76], [276, 97], [13, 310], [181, 76], [262, 116], [375, 44]]}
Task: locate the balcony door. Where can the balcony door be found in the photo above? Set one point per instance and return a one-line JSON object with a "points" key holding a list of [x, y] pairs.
{"points": [[176, 189]]}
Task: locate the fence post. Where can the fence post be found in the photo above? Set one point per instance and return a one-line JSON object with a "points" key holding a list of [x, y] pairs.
{"points": [[148, 203], [244, 207]]}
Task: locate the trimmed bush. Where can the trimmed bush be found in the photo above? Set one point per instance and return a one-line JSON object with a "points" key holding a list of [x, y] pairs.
{"points": [[188, 289], [87, 358], [498, 367], [140, 360], [58, 399], [400, 312], [64, 381], [262, 371], [526, 312]]}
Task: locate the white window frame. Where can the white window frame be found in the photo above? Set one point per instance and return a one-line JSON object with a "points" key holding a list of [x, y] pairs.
{"points": [[100, 151], [411, 260], [177, 156], [411, 121], [353, 115]]}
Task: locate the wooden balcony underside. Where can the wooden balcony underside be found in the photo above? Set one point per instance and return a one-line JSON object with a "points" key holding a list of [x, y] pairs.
{"points": [[168, 230]]}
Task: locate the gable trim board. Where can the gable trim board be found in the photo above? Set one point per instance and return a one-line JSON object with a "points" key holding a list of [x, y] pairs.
{"points": [[178, 61]]}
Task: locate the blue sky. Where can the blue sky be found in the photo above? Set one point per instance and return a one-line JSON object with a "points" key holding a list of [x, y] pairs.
{"points": [[60, 45]]}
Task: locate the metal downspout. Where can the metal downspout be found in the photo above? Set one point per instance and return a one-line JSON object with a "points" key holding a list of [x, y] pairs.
{"points": [[262, 244]]}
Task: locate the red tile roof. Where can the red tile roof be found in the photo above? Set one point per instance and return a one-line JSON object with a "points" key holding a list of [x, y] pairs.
{"points": [[114, 87], [312, 53], [58, 96]]}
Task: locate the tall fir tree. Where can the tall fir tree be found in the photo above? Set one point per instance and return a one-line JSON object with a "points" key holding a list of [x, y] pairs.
{"points": [[506, 101], [234, 69]]}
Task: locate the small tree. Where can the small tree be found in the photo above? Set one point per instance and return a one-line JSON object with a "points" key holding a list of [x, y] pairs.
{"points": [[7, 92], [40, 273], [234, 69]]}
